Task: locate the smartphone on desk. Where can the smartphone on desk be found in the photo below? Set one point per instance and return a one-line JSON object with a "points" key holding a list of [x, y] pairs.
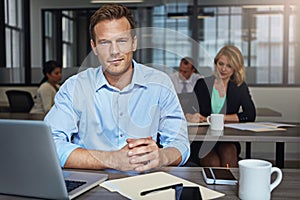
{"points": [[218, 176], [188, 193]]}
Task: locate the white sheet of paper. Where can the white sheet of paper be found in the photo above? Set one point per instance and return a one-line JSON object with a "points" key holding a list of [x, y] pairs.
{"points": [[275, 124], [131, 187], [198, 124], [257, 127]]}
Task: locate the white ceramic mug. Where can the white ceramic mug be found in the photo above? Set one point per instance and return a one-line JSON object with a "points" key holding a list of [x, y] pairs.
{"points": [[216, 121], [215, 132], [255, 179]]}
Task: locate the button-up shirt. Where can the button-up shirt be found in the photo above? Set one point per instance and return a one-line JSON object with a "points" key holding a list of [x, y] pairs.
{"points": [[188, 84], [90, 113]]}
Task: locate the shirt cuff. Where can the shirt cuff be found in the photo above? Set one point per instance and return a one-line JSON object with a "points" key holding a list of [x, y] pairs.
{"points": [[64, 149], [184, 150]]}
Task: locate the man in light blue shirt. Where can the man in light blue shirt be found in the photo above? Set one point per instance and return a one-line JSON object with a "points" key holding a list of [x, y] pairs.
{"points": [[113, 115]]}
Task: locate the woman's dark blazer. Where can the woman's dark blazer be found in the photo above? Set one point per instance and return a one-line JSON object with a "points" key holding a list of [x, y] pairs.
{"points": [[236, 97]]}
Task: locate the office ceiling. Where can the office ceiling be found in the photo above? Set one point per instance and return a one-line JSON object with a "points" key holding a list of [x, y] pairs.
{"points": [[87, 3]]}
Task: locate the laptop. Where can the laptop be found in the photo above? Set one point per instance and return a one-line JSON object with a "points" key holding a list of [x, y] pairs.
{"points": [[30, 166], [189, 102]]}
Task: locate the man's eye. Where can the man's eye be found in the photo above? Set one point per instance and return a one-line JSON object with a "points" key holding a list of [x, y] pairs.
{"points": [[104, 42], [122, 41]]}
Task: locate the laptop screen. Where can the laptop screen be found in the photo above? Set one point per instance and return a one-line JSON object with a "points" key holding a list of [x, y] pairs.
{"points": [[29, 163]]}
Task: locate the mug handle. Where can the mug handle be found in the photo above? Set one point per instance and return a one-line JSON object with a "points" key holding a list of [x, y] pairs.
{"points": [[208, 120], [278, 178]]}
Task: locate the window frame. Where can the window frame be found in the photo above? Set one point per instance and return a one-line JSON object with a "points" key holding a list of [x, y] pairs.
{"points": [[26, 54]]}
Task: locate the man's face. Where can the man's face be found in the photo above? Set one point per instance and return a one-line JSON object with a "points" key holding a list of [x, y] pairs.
{"points": [[185, 70], [114, 46]]}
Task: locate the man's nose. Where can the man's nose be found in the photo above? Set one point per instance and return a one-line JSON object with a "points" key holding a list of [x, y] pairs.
{"points": [[114, 49]]}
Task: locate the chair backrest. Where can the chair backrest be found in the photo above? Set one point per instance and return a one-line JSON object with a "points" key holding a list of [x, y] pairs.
{"points": [[19, 101]]}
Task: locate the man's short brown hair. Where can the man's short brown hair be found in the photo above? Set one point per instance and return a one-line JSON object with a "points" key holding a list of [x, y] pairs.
{"points": [[110, 12]]}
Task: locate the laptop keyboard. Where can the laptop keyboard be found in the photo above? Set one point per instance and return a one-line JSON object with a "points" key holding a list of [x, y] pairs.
{"points": [[72, 185]]}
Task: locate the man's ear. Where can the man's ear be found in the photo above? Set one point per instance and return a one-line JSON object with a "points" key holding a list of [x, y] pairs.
{"points": [[134, 44], [93, 45]]}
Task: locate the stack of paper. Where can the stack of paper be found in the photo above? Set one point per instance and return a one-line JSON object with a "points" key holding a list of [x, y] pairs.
{"points": [[259, 126], [131, 187]]}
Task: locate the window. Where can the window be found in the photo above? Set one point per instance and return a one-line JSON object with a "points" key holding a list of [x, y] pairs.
{"points": [[268, 44], [14, 43], [49, 36], [293, 33], [267, 34], [67, 38], [59, 36]]}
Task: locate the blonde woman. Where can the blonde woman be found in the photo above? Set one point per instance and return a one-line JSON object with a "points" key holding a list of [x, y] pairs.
{"points": [[225, 92]]}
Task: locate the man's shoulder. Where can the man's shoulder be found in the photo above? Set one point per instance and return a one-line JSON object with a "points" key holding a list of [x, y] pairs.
{"points": [[85, 74], [174, 75], [150, 75], [81, 79], [151, 71]]}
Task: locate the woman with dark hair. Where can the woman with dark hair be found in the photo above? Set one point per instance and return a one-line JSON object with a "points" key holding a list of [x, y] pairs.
{"points": [[48, 87]]}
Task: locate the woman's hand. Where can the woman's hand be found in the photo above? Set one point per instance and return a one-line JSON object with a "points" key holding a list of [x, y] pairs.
{"points": [[195, 118]]}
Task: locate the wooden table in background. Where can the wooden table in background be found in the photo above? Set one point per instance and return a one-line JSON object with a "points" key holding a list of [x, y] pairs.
{"points": [[292, 134], [23, 116], [267, 112]]}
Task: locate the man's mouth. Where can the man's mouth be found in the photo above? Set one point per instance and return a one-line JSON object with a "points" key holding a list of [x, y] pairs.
{"points": [[115, 61]]}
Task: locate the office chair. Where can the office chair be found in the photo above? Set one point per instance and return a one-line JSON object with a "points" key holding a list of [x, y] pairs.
{"points": [[19, 101]]}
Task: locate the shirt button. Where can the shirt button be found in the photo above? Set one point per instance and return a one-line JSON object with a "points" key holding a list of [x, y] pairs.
{"points": [[121, 114], [121, 135]]}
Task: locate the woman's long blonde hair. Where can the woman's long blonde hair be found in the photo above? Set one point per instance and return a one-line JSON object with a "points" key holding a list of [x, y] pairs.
{"points": [[236, 61]]}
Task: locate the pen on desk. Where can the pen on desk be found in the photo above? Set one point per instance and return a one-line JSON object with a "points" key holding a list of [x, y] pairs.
{"points": [[143, 193]]}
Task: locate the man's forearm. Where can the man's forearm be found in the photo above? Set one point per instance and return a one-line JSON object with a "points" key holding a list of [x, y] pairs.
{"points": [[170, 156], [94, 159], [89, 159]]}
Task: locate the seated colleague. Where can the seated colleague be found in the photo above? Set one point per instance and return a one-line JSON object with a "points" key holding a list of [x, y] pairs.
{"points": [[185, 79], [225, 92], [112, 116], [44, 99]]}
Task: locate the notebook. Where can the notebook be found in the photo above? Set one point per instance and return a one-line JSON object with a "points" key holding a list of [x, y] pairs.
{"points": [[30, 167]]}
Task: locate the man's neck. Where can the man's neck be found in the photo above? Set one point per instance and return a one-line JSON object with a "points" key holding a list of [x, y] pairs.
{"points": [[120, 81]]}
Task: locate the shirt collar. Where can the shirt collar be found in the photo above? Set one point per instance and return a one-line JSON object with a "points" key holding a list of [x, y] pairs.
{"points": [[184, 81], [138, 77]]}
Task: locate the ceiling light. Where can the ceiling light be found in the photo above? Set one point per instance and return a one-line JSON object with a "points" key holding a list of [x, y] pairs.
{"points": [[117, 1]]}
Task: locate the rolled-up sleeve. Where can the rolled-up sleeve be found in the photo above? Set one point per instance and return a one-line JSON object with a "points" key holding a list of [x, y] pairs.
{"points": [[63, 121], [173, 125]]}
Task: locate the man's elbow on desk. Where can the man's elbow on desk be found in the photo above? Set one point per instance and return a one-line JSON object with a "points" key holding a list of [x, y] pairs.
{"points": [[85, 159], [172, 156]]}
